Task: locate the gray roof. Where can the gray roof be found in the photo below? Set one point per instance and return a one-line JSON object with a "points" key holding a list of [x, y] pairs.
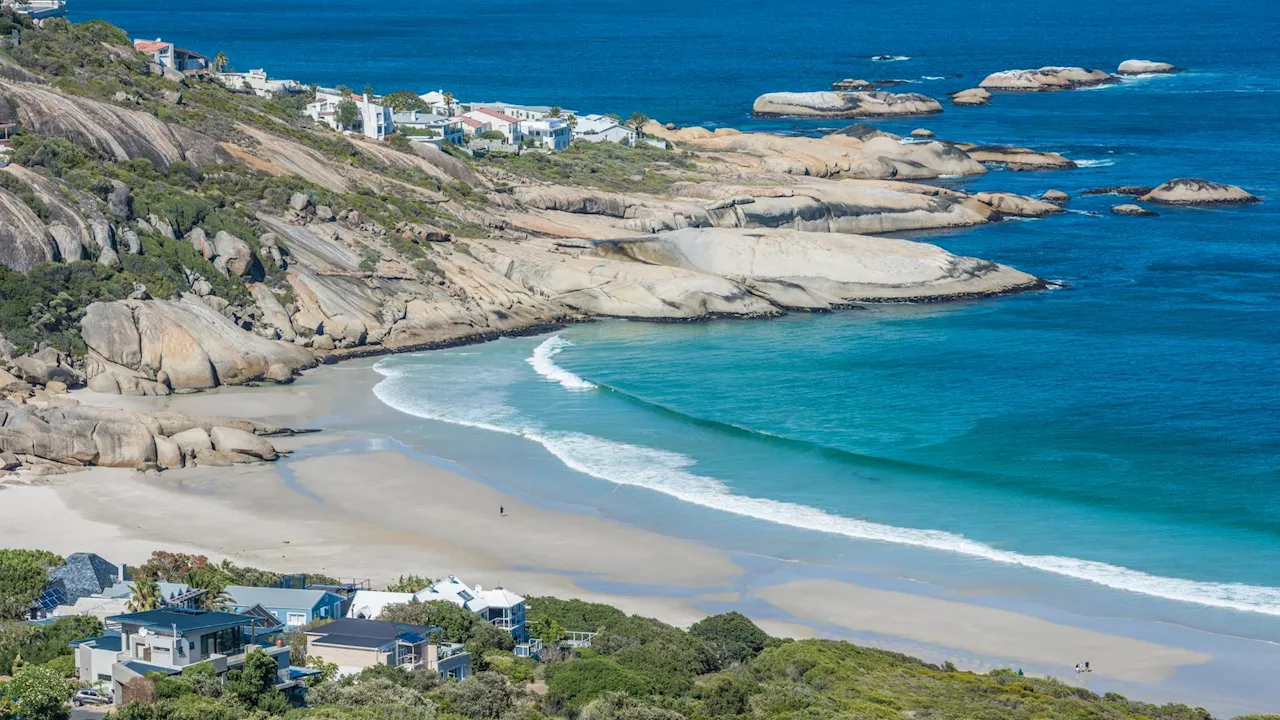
{"points": [[355, 632], [287, 598], [84, 574], [183, 620]]}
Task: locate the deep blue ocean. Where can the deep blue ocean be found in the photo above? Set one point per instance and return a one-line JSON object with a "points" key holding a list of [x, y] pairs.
{"points": [[1121, 430]]}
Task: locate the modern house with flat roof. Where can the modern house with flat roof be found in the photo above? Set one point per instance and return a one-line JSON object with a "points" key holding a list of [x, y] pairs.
{"points": [[520, 112], [257, 82], [169, 640], [550, 133], [602, 128], [428, 126], [373, 119], [166, 54], [355, 644], [291, 607]]}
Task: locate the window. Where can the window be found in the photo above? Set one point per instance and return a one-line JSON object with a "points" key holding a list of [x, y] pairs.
{"points": [[296, 619]]}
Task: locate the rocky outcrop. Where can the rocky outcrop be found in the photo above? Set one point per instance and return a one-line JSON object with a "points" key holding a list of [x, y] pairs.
{"points": [[971, 97], [1133, 210], [24, 240], [1045, 79], [844, 104], [87, 435], [922, 133], [140, 345], [1194, 191], [233, 256], [1144, 67], [116, 132], [794, 269], [1017, 205], [1017, 158]]}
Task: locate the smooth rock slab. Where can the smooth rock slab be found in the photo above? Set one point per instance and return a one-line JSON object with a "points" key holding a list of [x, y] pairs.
{"points": [[1144, 67], [231, 440], [1195, 191], [1134, 210], [844, 104], [1045, 79]]}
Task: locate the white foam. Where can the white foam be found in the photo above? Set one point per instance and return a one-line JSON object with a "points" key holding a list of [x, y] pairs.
{"points": [[670, 473], [542, 363], [932, 77], [1106, 162], [890, 58]]}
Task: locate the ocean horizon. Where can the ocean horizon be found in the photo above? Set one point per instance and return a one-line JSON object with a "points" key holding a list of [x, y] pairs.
{"points": [[1119, 430]]}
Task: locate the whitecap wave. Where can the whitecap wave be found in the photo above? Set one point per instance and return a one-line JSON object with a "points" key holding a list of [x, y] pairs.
{"points": [[890, 58], [932, 77], [1106, 162], [543, 364], [671, 473]]}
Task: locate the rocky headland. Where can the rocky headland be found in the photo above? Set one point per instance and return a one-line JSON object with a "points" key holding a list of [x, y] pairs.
{"points": [[828, 104], [1046, 79]]}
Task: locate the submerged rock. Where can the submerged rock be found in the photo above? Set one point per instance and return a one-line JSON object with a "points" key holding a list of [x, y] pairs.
{"points": [[1045, 79], [1144, 67], [1131, 209], [844, 104], [1194, 191]]}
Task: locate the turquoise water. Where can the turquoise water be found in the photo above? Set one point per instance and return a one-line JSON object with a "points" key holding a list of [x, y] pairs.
{"points": [[1120, 431]]}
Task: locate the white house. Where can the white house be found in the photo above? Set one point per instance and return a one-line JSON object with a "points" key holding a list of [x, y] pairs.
{"points": [[497, 606], [257, 82], [166, 54], [519, 112], [508, 125], [472, 127], [373, 121], [551, 133], [439, 104], [429, 127], [600, 128]]}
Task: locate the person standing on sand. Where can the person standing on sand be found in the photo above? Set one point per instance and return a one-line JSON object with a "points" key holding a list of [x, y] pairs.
{"points": [[502, 510]]}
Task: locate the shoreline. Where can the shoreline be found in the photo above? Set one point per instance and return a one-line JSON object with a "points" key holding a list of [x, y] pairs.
{"points": [[431, 510]]}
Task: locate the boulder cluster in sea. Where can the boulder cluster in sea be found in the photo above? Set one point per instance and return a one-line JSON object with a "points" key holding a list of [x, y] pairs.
{"points": [[826, 103]]}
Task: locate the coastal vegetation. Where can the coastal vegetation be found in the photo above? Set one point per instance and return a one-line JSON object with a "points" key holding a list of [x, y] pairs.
{"points": [[607, 166], [723, 667]]}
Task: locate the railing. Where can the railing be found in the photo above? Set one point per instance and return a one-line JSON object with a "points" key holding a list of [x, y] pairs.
{"points": [[576, 639], [448, 650], [505, 623], [529, 649]]}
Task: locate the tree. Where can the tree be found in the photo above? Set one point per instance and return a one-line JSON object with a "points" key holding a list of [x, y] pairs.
{"points": [[410, 584], [368, 90], [42, 693], [23, 575], [486, 637], [328, 670], [145, 595], [575, 683], [555, 111], [637, 122], [491, 135], [220, 61], [483, 696], [348, 114], [215, 589], [572, 120], [458, 624], [448, 104], [254, 684], [548, 630], [402, 100], [731, 637]]}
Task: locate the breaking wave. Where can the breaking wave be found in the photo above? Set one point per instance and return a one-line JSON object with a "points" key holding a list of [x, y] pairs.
{"points": [[890, 58], [673, 474], [1107, 162], [543, 364]]}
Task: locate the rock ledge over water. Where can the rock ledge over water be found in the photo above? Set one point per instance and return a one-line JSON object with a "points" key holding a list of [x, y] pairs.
{"points": [[844, 104], [1194, 191]]}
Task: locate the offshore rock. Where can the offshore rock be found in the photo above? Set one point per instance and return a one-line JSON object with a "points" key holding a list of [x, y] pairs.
{"points": [[1144, 67], [1046, 79], [844, 104], [972, 96], [1017, 205], [1194, 191]]}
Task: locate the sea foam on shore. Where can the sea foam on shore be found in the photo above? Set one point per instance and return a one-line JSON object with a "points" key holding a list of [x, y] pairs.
{"points": [[621, 463]]}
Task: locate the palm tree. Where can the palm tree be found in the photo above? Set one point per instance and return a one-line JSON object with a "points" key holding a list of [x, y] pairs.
{"points": [[572, 120], [448, 104], [220, 61], [637, 122], [145, 595], [554, 111]]}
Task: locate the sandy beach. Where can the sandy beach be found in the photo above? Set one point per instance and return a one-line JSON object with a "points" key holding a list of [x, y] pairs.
{"points": [[354, 503]]}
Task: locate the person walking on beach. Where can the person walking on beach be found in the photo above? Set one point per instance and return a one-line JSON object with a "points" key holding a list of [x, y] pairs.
{"points": [[502, 510]]}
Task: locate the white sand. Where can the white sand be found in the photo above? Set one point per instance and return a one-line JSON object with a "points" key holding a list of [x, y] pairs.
{"points": [[978, 629], [382, 514]]}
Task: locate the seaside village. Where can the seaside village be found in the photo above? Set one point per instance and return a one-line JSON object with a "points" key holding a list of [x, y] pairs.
{"points": [[306, 626], [434, 117]]}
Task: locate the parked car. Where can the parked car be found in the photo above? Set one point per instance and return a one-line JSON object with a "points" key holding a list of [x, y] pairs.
{"points": [[90, 697]]}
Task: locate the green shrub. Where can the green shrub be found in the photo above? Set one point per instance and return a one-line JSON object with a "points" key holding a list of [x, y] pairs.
{"points": [[575, 683]]}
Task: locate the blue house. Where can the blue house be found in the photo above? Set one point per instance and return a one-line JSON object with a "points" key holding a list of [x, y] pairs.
{"points": [[292, 607]]}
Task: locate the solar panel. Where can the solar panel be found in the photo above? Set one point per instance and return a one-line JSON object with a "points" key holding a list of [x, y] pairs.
{"points": [[52, 597]]}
